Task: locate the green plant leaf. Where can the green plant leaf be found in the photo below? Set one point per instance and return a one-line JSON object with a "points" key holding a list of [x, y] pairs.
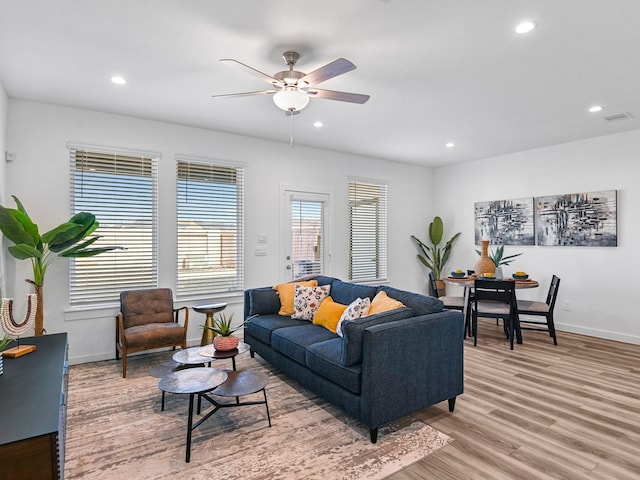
{"points": [[436, 230], [88, 252], [14, 229], [22, 251]]}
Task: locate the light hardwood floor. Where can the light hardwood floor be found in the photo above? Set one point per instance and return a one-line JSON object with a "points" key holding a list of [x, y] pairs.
{"points": [[540, 411]]}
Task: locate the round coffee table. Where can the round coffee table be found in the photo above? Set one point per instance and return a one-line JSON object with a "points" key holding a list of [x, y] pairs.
{"points": [[210, 352], [192, 381], [191, 356]]}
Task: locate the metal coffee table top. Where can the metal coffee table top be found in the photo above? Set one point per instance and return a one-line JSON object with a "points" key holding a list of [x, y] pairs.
{"points": [[191, 356], [243, 382], [192, 380]]}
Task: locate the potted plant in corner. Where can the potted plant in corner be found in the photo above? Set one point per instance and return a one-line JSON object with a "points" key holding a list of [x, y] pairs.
{"points": [[224, 340], [435, 257], [68, 239]]}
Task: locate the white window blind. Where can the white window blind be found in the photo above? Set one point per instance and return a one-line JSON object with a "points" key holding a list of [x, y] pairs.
{"points": [[367, 231], [120, 190], [210, 242]]}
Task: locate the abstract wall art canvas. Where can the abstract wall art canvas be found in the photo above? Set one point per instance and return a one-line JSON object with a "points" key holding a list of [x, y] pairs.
{"points": [[577, 219], [505, 222]]}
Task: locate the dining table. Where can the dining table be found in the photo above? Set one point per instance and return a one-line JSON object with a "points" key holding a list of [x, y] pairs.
{"points": [[467, 282]]}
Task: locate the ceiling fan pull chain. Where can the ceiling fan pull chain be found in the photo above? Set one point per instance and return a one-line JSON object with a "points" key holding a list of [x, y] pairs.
{"points": [[291, 139]]}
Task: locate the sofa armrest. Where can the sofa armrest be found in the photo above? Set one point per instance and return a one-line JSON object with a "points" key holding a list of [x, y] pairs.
{"points": [[411, 364]]}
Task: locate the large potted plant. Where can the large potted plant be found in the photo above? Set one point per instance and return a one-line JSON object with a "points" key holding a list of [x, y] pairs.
{"points": [[433, 256], [69, 239]]}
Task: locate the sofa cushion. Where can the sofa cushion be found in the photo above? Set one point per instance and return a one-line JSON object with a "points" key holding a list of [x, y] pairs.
{"points": [[286, 292], [353, 330], [356, 309], [263, 301], [383, 303], [328, 314], [307, 300], [324, 358], [345, 292], [294, 341], [419, 304], [262, 326]]}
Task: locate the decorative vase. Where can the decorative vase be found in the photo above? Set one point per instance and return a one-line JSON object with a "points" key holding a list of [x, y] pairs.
{"points": [[442, 288], [499, 273], [225, 343], [484, 263]]}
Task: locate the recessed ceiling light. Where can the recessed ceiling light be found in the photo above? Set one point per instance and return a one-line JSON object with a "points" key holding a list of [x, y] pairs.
{"points": [[525, 27], [595, 108], [118, 80], [450, 145], [318, 124]]}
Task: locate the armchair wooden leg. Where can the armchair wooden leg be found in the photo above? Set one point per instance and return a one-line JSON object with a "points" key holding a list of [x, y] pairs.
{"points": [[124, 364]]}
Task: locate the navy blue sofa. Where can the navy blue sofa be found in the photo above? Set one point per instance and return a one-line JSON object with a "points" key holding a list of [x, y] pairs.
{"points": [[385, 366]]}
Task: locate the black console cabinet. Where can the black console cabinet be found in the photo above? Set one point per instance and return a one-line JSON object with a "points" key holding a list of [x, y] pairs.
{"points": [[33, 401]]}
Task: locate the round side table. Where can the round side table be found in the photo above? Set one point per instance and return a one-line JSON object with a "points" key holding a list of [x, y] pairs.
{"points": [[208, 309]]}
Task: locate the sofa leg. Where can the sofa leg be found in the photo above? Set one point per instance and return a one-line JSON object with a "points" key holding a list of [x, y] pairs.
{"points": [[452, 403], [252, 353], [373, 433]]}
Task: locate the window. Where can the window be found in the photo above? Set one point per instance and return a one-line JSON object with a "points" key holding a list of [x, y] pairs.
{"points": [[120, 190], [210, 228], [367, 231], [307, 237]]}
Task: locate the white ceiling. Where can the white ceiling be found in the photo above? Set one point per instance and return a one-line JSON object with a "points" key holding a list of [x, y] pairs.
{"points": [[436, 70]]}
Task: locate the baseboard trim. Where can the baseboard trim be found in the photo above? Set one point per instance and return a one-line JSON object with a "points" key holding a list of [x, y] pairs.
{"points": [[594, 332]]}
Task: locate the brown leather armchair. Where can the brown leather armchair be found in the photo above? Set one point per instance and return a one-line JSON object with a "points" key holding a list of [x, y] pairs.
{"points": [[148, 320]]}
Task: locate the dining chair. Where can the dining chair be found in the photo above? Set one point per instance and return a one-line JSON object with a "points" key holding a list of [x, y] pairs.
{"points": [[541, 309], [452, 303], [495, 299]]}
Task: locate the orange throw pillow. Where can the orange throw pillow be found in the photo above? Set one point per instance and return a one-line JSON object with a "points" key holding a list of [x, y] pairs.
{"points": [[286, 292], [383, 303], [328, 314]]}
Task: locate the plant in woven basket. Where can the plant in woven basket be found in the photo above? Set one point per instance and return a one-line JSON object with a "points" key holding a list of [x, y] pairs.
{"points": [[224, 329]]}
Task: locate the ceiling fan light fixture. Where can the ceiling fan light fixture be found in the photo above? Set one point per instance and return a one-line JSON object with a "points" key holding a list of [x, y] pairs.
{"points": [[290, 99]]}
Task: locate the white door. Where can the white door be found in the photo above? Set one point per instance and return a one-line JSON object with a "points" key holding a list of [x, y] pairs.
{"points": [[305, 232]]}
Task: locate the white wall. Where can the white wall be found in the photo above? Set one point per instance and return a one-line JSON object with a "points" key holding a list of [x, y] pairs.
{"points": [[3, 179], [38, 135], [599, 283]]}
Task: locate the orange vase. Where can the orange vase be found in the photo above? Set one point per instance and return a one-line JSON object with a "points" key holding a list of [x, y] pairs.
{"points": [[484, 263]]}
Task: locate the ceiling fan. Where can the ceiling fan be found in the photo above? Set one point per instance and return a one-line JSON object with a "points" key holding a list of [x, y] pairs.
{"points": [[292, 89]]}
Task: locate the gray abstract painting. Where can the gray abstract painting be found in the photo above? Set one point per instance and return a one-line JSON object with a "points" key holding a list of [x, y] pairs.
{"points": [[505, 222], [577, 219]]}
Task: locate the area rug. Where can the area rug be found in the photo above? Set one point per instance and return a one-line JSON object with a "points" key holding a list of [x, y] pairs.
{"points": [[116, 430]]}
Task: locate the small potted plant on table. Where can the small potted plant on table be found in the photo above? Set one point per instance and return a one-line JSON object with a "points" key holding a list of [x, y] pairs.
{"points": [[224, 340]]}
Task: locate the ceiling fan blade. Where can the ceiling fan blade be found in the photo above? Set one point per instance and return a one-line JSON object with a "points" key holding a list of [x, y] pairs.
{"points": [[340, 96], [252, 71], [245, 94], [330, 70]]}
